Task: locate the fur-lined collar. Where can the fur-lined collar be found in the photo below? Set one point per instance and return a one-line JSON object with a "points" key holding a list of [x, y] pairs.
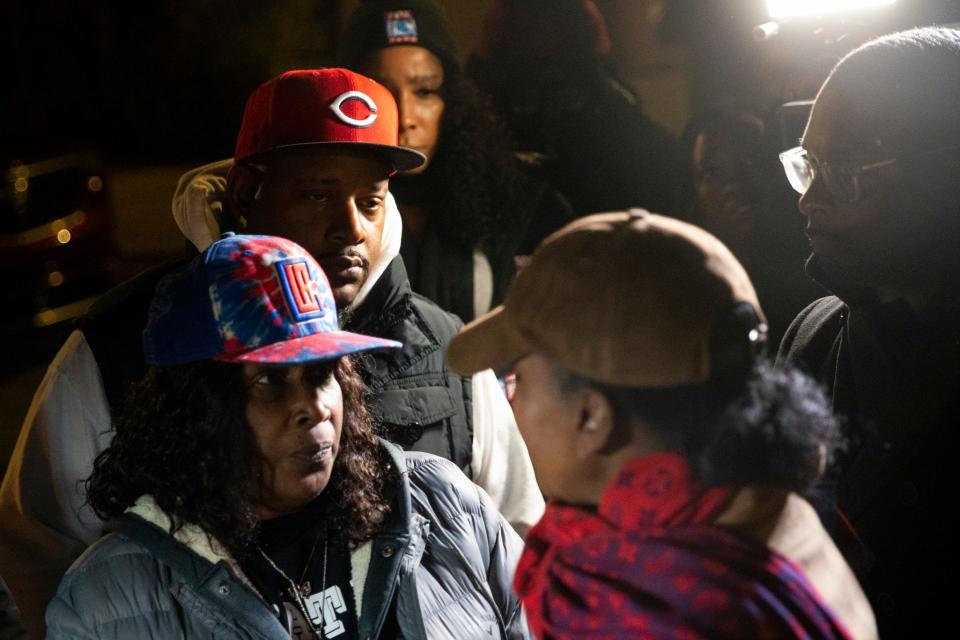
{"points": [[192, 536]]}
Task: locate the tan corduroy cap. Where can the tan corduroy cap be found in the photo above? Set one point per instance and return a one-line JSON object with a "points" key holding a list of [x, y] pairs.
{"points": [[625, 298]]}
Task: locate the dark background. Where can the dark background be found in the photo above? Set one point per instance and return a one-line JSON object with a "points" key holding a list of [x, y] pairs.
{"points": [[165, 82]]}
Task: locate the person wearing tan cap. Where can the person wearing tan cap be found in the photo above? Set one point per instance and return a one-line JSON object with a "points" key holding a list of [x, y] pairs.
{"points": [[672, 455]]}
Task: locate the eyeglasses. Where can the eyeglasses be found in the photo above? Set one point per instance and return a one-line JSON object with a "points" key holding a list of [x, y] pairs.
{"points": [[842, 180]]}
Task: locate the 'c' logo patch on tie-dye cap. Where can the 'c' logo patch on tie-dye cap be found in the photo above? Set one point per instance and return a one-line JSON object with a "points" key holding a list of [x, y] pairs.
{"points": [[401, 27]]}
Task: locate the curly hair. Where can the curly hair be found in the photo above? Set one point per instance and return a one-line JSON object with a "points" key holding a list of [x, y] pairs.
{"points": [[183, 438], [765, 427], [476, 183]]}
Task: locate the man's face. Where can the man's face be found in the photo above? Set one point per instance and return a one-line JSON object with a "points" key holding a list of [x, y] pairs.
{"points": [[414, 77], [333, 204], [548, 423], [886, 235]]}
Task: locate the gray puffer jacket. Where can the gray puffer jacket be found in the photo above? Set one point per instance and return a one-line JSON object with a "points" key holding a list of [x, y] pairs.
{"points": [[444, 553]]}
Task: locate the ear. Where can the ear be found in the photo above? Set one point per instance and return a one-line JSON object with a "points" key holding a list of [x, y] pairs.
{"points": [[597, 432], [243, 187]]}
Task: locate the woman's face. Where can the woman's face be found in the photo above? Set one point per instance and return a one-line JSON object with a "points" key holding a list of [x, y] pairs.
{"points": [[727, 182], [296, 414], [414, 77]]}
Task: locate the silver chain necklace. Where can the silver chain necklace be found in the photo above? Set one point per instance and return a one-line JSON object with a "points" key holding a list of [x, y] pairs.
{"points": [[300, 591]]}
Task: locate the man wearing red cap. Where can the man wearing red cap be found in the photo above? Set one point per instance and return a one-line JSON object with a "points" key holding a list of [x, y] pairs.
{"points": [[312, 163]]}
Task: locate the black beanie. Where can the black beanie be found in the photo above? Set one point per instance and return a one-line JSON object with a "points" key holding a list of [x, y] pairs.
{"points": [[384, 23]]}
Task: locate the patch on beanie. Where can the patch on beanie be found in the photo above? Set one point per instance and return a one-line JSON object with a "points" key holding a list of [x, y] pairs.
{"points": [[401, 27]]}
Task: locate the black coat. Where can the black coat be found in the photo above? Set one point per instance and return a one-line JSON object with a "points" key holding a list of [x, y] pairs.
{"points": [[894, 375], [419, 403]]}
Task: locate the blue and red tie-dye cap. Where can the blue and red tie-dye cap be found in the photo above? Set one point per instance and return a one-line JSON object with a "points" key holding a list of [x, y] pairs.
{"points": [[249, 299]]}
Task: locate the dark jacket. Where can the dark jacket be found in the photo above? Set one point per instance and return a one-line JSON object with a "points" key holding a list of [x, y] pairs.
{"points": [[895, 376], [420, 403], [444, 556]]}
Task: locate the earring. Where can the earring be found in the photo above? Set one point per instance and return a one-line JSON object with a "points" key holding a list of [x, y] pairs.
{"points": [[241, 222], [589, 424]]}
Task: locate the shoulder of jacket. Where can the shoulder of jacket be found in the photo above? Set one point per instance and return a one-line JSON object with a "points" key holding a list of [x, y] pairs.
{"points": [[106, 550], [131, 295], [74, 355], [435, 475], [425, 331], [424, 466], [813, 318], [412, 311], [109, 589], [112, 563], [440, 320], [822, 313], [821, 309], [819, 322]]}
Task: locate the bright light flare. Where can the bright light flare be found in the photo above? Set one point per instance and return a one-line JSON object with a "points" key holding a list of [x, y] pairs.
{"points": [[795, 8]]}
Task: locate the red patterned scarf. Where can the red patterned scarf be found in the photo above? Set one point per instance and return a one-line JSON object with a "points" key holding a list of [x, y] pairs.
{"points": [[649, 564]]}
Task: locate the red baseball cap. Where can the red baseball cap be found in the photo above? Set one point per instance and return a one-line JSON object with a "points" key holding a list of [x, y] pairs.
{"points": [[323, 107]]}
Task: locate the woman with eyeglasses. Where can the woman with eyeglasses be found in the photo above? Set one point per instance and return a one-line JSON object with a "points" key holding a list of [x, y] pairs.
{"points": [[247, 495]]}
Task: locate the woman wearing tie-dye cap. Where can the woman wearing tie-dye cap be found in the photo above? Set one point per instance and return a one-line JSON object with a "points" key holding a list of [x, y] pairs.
{"points": [[247, 495]]}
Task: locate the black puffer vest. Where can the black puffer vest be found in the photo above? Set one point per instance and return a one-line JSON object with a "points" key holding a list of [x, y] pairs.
{"points": [[420, 404]]}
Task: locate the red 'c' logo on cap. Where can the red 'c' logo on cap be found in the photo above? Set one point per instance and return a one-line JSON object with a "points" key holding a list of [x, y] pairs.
{"points": [[337, 107]]}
